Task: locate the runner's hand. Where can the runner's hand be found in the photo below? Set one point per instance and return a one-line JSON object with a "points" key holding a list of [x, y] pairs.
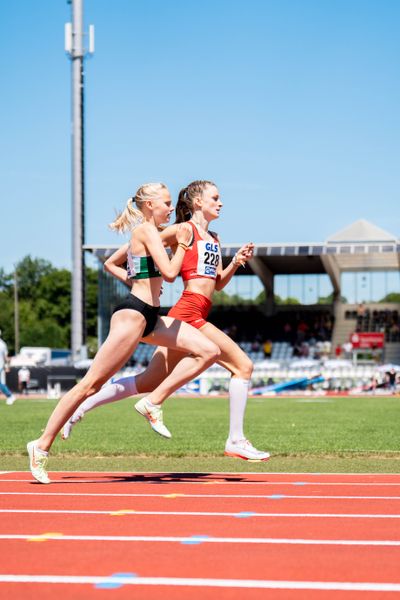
{"points": [[244, 254], [184, 234]]}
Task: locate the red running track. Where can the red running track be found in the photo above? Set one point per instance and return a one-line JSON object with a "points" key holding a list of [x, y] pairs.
{"points": [[206, 536]]}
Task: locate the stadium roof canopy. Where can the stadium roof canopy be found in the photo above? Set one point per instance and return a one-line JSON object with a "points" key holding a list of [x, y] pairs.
{"points": [[359, 247], [361, 231]]}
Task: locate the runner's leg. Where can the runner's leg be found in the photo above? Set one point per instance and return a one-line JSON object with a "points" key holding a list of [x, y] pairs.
{"points": [[199, 354], [126, 329], [238, 363]]}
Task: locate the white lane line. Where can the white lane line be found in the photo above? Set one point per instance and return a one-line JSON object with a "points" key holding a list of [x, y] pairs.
{"points": [[241, 514], [170, 494], [197, 582], [199, 539]]}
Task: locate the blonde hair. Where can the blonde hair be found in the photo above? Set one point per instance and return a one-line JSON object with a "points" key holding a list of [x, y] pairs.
{"points": [[184, 206], [131, 217]]}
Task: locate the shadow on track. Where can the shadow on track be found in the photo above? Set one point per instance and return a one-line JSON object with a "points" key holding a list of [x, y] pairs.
{"points": [[160, 478]]}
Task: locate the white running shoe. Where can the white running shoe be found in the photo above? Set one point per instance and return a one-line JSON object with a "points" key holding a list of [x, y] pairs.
{"points": [[243, 449], [10, 400], [37, 463], [75, 418], [154, 416]]}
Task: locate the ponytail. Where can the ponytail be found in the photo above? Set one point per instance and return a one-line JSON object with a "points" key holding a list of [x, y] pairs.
{"points": [[128, 219], [131, 217], [184, 206]]}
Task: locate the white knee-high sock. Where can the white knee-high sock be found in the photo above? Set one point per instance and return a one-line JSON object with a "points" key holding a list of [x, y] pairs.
{"points": [[238, 391], [122, 388]]}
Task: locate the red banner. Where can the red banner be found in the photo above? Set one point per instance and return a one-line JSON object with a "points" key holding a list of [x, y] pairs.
{"points": [[367, 340]]}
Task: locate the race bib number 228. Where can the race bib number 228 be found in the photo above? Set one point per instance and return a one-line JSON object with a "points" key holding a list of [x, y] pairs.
{"points": [[209, 257]]}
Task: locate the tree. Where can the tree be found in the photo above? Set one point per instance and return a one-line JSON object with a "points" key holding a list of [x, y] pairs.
{"points": [[40, 331], [221, 298], [54, 296], [6, 281], [260, 298], [330, 298], [7, 319], [30, 272], [44, 304], [288, 300], [392, 297]]}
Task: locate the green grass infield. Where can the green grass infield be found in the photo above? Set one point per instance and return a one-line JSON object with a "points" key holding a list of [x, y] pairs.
{"points": [[326, 434]]}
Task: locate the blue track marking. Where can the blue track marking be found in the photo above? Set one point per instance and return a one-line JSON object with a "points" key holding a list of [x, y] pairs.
{"points": [[113, 583], [245, 514], [195, 539]]}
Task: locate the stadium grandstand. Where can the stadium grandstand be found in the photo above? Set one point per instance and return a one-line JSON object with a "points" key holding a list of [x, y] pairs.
{"points": [[334, 299]]}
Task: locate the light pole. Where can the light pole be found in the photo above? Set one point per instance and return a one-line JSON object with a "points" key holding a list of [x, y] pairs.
{"points": [[75, 47], [16, 312]]}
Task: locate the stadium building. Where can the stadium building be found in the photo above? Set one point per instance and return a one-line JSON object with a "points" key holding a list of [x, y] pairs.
{"points": [[314, 298]]}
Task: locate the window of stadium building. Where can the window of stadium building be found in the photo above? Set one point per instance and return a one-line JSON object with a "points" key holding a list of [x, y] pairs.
{"points": [[371, 286], [303, 289], [246, 289]]}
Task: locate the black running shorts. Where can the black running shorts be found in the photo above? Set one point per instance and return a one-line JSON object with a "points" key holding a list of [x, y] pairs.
{"points": [[149, 312]]}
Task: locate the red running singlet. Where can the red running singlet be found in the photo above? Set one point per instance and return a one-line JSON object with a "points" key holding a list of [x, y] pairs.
{"points": [[201, 259]]}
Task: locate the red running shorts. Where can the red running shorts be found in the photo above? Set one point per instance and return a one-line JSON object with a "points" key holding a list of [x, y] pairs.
{"points": [[192, 308]]}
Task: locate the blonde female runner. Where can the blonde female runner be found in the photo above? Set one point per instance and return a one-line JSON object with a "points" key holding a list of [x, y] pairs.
{"points": [[136, 318]]}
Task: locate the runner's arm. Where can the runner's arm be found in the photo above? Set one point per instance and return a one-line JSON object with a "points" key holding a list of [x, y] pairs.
{"points": [[168, 235], [114, 265], [169, 269]]}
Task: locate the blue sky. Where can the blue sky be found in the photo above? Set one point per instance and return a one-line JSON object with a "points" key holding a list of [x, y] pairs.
{"points": [[290, 106]]}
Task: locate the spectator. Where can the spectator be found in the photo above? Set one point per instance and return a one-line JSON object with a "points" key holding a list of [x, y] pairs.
{"points": [[297, 351], [327, 347], [347, 349], [360, 310], [305, 350], [321, 333], [4, 368], [24, 377], [394, 332], [267, 349], [374, 385], [391, 380], [302, 329], [338, 351], [319, 346], [312, 341], [287, 330]]}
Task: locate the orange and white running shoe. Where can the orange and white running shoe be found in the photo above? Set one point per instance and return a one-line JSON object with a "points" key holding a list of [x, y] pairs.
{"points": [[154, 415], [244, 449]]}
